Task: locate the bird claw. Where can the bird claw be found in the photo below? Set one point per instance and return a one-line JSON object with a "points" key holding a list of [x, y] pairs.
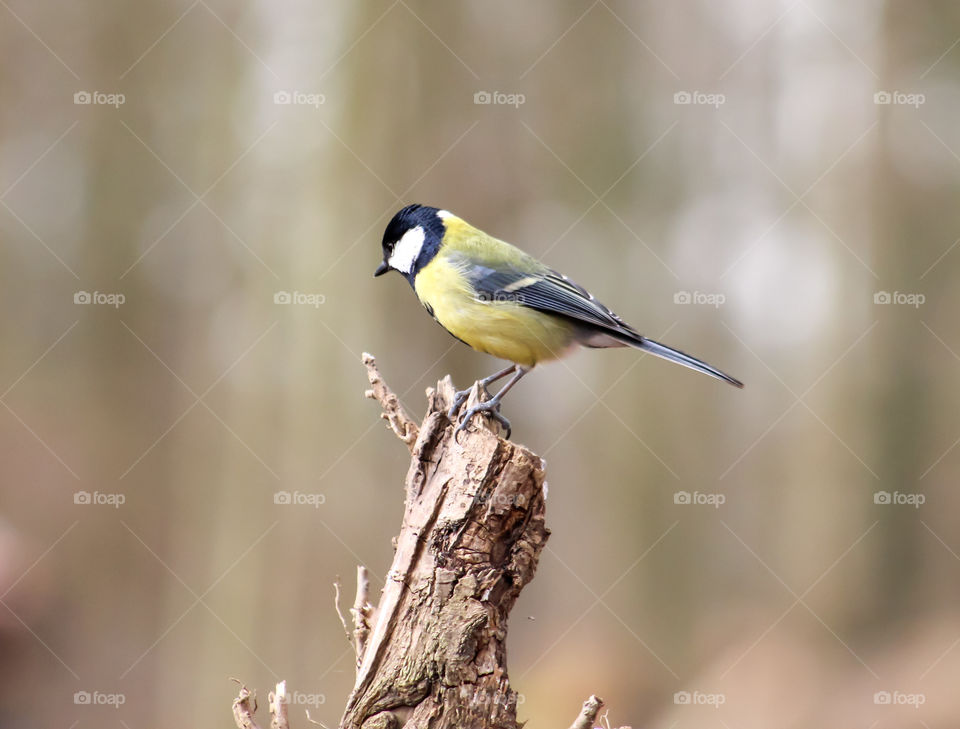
{"points": [[459, 397], [486, 403], [491, 408]]}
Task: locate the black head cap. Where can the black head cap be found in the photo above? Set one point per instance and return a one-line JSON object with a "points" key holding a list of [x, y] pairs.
{"points": [[410, 218]]}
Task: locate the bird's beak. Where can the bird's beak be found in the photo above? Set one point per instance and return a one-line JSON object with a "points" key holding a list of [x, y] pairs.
{"points": [[381, 269]]}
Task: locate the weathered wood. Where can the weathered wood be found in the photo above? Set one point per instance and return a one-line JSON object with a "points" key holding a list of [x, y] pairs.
{"points": [[472, 533], [244, 708], [432, 653], [588, 714]]}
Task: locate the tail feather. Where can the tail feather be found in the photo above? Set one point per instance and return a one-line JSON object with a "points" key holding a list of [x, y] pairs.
{"points": [[681, 358], [601, 338]]}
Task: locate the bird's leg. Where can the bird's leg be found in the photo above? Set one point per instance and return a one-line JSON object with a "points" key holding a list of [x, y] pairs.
{"points": [[487, 381], [492, 406], [460, 396]]}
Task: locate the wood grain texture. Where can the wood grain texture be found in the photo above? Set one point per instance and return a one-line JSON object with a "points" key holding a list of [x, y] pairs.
{"points": [[472, 533], [432, 653]]}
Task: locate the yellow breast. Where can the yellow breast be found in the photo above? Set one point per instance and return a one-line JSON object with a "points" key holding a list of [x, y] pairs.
{"points": [[504, 329]]}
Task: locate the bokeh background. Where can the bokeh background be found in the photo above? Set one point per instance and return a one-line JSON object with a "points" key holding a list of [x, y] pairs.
{"points": [[182, 165]]}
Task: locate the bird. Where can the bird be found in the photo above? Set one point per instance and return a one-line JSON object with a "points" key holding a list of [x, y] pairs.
{"points": [[499, 300]]}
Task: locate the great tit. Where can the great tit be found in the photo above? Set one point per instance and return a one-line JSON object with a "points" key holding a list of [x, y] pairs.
{"points": [[499, 300]]}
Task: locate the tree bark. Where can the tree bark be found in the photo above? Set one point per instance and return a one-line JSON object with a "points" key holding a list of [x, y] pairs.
{"points": [[433, 652], [472, 533]]}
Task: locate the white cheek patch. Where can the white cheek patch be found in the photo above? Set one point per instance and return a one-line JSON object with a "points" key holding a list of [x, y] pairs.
{"points": [[407, 250]]}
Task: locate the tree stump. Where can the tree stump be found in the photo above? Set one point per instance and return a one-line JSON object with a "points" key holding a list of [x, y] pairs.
{"points": [[472, 532], [432, 652]]}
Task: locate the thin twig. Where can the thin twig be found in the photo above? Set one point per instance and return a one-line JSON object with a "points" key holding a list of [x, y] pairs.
{"points": [[588, 714], [336, 604], [278, 707], [361, 613], [314, 721], [400, 423], [244, 707]]}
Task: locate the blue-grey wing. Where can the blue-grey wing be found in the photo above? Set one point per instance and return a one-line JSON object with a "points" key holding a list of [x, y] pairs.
{"points": [[546, 291], [553, 293]]}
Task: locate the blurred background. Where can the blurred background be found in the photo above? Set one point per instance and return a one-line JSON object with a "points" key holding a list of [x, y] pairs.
{"points": [[192, 196]]}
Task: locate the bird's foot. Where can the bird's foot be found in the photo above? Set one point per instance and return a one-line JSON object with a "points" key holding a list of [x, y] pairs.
{"points": [[491, 408], [460, 397]]}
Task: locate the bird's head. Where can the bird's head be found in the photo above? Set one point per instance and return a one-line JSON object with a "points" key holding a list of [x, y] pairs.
{"points": [[411, 240]]}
